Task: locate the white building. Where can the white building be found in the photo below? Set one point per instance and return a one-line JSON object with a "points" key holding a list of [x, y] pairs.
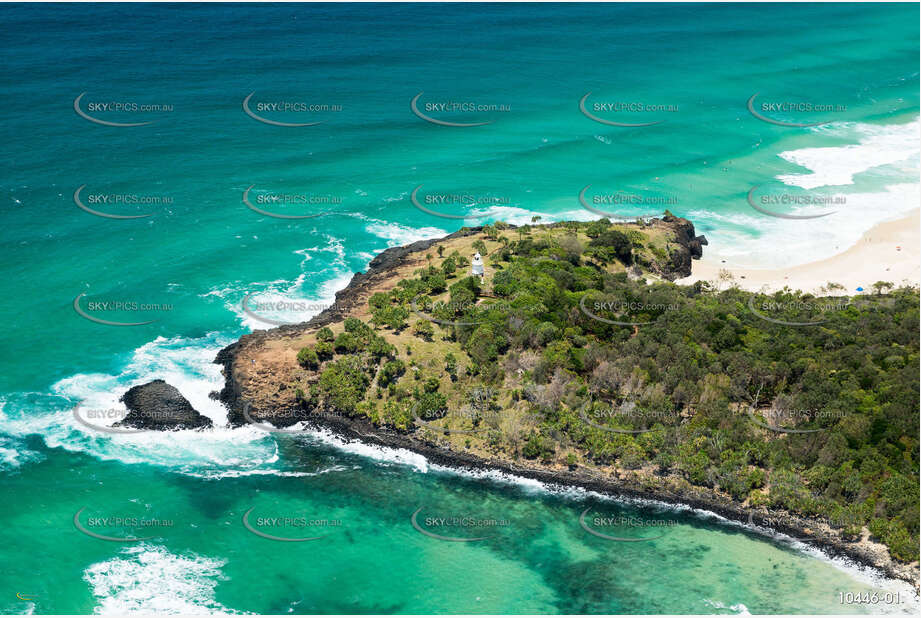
{"points": [[476, 266]]}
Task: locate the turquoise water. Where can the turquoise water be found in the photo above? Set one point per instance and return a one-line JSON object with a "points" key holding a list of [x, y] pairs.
{"points": [[201, 252]]}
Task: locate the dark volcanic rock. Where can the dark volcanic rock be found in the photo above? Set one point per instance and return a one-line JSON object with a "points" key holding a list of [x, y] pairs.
{"points": [[688, 247], [158, 405]]}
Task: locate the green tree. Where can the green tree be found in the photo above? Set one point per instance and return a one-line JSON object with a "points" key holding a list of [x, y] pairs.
{"points": [[342, 384]]}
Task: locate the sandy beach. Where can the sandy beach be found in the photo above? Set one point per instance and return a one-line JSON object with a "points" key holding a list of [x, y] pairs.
{"points": [[890, 251]]}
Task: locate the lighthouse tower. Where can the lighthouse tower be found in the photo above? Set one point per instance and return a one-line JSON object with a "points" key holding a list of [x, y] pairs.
{"points": [[476, 266]]}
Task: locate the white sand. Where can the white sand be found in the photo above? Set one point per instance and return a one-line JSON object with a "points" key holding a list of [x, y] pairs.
{"points": [[890, 251]]}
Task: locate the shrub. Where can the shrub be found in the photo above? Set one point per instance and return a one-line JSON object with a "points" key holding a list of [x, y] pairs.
{"points": [[424, 329], [597, 228], [342, 384], [390, 372], [538, 446], [379, 348], [431, 384], [307, 358], [358, 328], [430, 406], [393, 317], [347, 343], [437, 283], [324, 350], [396, 413], [379, 300], [451, 363], [618, 242]]}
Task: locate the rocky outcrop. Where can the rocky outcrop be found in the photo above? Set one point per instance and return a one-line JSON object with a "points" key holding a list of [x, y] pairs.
{"points": [[687, 246], [684, 247], [346, 299], [160, 406]]}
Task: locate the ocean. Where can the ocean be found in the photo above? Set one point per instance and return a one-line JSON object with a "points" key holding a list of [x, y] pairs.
{"points": [[374, 86]]}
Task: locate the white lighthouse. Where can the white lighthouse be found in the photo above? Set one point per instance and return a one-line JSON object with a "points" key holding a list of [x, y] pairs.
{"points": [[476, 266]]}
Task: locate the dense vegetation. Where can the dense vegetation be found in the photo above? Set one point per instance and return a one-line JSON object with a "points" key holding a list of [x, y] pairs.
{"points": [[786, 400]]}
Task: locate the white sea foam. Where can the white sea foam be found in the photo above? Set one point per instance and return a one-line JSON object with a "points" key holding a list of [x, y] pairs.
{"points": [[780, 243], [738, 608], [397, 234], [149, 579], [14, 454], [878, 145], [398, 198], [381, 454], [333, 245], [274, 303], [218, 474], [516, 215], [184, 363], [530, 485], [877, 175], [283, 301]]}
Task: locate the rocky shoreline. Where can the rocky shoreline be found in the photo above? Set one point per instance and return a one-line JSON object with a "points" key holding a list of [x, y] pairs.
{"points": [[812, 532], [629, 485]]}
